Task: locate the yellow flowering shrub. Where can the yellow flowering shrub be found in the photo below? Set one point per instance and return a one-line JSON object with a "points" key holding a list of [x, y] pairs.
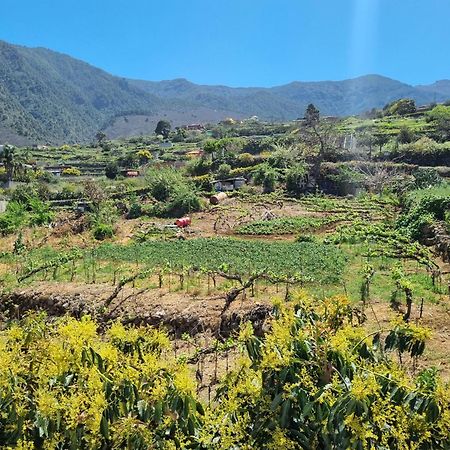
{"points": [[315, 380], [66, 386]]}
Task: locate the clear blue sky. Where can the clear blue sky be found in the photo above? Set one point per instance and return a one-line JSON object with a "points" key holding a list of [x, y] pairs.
{"points": [[241, 42]]}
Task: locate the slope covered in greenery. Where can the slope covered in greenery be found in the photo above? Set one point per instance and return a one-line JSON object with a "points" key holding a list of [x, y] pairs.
{"points": [[337, 98], [50, 97]]}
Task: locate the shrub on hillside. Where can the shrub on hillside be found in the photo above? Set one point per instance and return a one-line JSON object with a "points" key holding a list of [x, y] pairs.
{"points": [[245, 159], [405, 136], [112, 170], [175, 195], [102, 231], [184, 201], [134, 211], [421, 212], [266, 176], [13, 218], [71, 171], [425, 177], [223, 171], [296, 178], [163, 183], [198, 167], [401, 107]]}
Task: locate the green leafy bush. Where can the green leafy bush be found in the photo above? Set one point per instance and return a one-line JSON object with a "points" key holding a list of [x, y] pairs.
{"points": [[421, 212], [112, 170], [296, 179], [134, 211], [31, 212], [13, 218], [40, 212], [266, 176], [183, 201], [102, 231], [198, 167], [163, 183], [223, 171], [176, 196]]}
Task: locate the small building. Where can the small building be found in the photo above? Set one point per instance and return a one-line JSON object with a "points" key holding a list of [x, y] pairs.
{"points": [[55, 170], [229, 184], [195, 126], [129, 173], [197, 153]]}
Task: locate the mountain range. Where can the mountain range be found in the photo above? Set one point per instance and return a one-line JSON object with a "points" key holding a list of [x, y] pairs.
{"points": [[49, 97]]}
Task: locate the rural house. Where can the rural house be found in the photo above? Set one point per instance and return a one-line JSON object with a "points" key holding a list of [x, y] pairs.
{"points": [[229, 184]]}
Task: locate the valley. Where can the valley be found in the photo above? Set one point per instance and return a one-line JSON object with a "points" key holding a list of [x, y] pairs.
{"points": [[205, 278]]}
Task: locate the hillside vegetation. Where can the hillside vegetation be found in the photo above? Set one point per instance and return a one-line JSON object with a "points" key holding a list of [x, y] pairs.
{"points": [[48, 97], [303, 307]]}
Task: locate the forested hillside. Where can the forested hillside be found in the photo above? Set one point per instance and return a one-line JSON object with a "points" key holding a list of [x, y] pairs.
{"points": [[48, 97]]}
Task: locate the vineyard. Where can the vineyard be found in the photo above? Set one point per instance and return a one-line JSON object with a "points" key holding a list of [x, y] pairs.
{"points": [[225, 266]]}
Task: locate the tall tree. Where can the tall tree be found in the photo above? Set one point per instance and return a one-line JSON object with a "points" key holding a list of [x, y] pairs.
{"points": [[381, 140], [100, 136], [440, 116], [312, 115], [163, 128], [321, 136], [368, 140], [8, 158]]}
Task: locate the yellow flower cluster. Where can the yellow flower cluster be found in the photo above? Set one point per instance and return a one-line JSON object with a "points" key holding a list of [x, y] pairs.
{"points": [[346, 338], [360, 430], [364, 386], [63, 378], [277, 350], [305, 380]]}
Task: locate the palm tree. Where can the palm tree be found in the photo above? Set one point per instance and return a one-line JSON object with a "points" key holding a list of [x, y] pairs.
{"points": [[8, 160]]}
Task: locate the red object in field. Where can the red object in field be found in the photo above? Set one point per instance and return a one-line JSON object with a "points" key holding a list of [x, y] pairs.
{"points": [[183, 222]]}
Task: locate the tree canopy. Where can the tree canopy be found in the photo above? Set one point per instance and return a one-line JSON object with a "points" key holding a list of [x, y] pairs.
{"points": [[163, 128]]}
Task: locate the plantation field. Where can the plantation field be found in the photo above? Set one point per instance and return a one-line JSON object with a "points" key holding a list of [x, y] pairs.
{"points": [[305, 261], [306, 309], [286, 226]]}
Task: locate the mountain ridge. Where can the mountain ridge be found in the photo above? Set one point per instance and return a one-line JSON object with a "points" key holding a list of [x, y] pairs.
{"points": [[50, 97]]}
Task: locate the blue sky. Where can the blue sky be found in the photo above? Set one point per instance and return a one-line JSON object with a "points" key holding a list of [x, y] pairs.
{"points": [[241, 42]]}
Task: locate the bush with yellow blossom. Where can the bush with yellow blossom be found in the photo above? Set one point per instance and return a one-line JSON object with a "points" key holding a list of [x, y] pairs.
{"points": [[316, 380]]}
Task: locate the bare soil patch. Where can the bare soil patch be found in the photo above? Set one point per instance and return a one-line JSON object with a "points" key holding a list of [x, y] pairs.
{"points": [[434, 316], [179, 313]]}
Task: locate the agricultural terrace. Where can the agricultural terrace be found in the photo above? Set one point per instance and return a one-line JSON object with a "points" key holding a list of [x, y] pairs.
{"points": [[308, 308]]}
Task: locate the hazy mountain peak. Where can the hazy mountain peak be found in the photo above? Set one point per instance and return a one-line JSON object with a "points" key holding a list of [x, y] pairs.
{"points": [[47, 96]]}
